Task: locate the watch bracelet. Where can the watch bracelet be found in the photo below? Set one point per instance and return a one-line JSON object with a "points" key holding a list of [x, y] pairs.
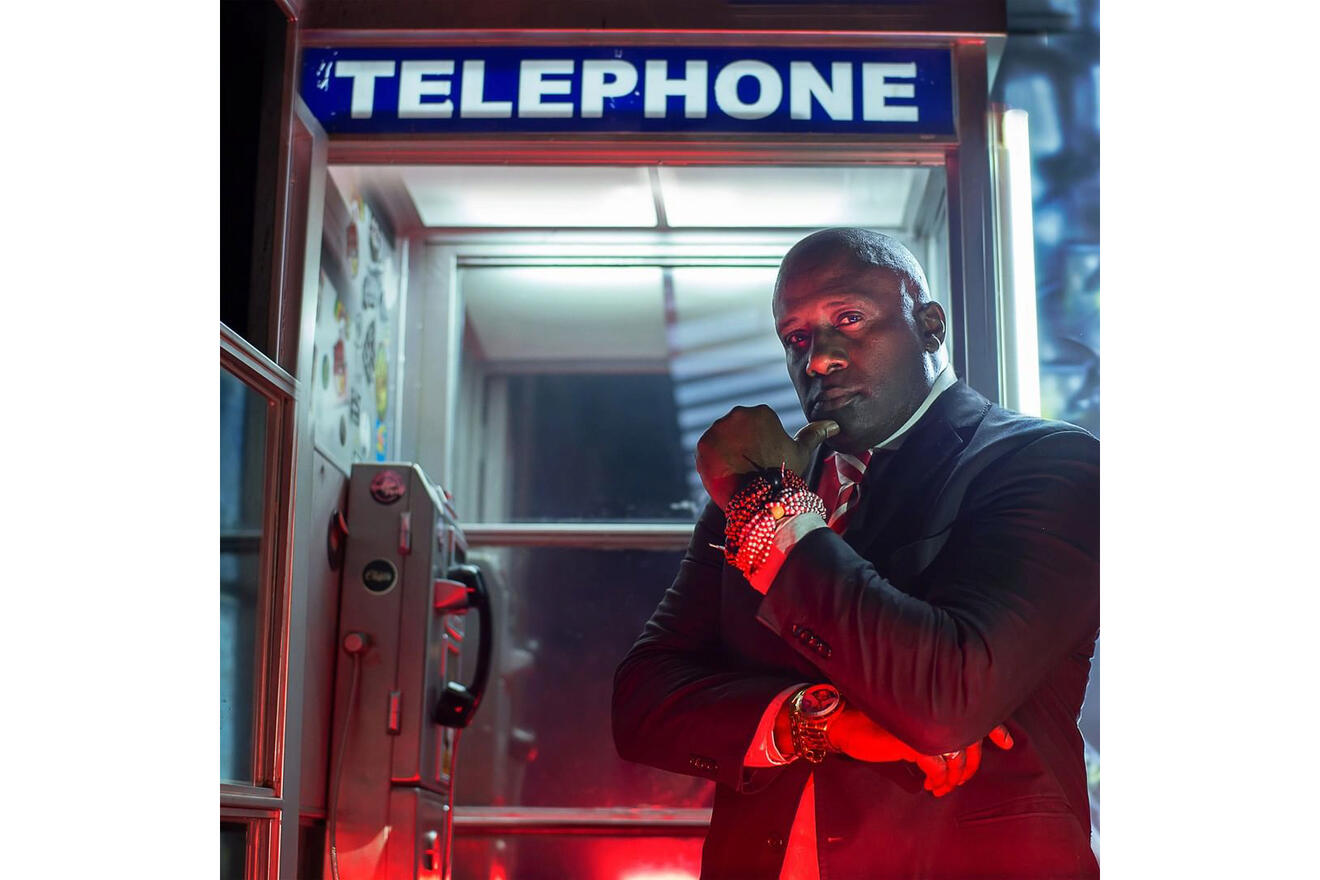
{"points": [[810, 740]]}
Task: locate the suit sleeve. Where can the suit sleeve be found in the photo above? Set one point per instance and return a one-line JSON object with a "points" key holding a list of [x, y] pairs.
{"points": [[681, 703], [1013, 590]]}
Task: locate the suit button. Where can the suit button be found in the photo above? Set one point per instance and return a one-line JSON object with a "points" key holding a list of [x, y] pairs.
{"points": [[774, 841]]}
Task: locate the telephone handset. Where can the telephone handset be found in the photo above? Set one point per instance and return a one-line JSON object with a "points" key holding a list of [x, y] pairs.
{"points": [[458, 702]]}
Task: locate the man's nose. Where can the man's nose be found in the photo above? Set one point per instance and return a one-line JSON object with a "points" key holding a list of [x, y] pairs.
{"points": [[826, 356]]}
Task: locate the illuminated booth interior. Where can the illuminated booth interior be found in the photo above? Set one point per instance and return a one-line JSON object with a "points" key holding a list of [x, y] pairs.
{"points": [[482, 348]]}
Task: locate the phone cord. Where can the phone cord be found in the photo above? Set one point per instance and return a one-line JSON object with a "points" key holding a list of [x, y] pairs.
{"points": [[339, 766]]}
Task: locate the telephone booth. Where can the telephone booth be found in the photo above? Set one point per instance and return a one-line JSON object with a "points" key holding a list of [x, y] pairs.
{"points": [[525, 251]]}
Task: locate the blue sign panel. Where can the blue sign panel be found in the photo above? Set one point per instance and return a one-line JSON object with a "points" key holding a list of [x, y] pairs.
{"points": [[396, 90]]}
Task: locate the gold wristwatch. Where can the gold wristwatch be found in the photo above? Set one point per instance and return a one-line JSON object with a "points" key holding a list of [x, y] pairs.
{"points": [[810, 712]]}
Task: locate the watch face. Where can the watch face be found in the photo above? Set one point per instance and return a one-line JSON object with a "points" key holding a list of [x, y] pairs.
{"points": [[821, 699]]}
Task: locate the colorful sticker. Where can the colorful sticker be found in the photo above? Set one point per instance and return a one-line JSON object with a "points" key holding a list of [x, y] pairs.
{"points": [[382, 382], [341, 370], [352, 246], [369, 350], [380, 441], [375, 242], [363, 440], [388, 486], [373, 293]]}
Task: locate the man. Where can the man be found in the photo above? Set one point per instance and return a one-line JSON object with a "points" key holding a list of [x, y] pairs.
{"points": [[824, 676]]}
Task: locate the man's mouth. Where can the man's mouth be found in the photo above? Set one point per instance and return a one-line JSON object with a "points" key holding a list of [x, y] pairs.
{"points": [[830, 401]]}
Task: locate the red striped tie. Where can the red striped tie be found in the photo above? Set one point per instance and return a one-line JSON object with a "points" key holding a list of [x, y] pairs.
{"points": [[849, 470]]}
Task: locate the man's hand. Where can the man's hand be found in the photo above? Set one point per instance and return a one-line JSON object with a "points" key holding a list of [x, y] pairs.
{"points": [[856, 735], [751, 438]]}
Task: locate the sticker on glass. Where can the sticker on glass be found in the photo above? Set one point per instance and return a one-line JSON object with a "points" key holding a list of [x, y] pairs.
{"points": [[388, 487]]}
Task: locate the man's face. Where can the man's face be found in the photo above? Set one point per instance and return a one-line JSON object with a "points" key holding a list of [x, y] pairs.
{"points": [[854, 348]]}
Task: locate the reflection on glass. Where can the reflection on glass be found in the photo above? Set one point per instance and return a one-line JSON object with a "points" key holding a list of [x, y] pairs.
{"points": [[579, 858], [242, 477], [233, 850], [564, 619], [595, 447]]}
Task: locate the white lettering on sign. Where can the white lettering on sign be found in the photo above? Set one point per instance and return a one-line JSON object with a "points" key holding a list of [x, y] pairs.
{"points": [[691, 87], [533, 86], [771, 89], [426, 89], [605, 79], [473, 100], [835, 97], [414, 86], [363, 74], [876, 88]]}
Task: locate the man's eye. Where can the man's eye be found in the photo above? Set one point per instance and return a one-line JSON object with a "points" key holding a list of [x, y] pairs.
{"points": [[850, 318], [795, 340]]}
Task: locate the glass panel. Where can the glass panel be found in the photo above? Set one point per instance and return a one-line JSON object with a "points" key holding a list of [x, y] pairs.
{"points": [[233, 850], [591, 386], [581, 858], [564, 618], [242, 482]]}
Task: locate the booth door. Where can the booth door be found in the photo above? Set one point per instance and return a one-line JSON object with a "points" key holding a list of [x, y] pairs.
{"points": [[264, 369]]}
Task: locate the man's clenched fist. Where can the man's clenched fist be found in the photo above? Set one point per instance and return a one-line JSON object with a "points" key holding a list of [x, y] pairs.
{"points": [[751, 438]]}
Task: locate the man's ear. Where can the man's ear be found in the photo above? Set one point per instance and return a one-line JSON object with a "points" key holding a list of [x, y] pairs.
{"points": [[930, 321]]}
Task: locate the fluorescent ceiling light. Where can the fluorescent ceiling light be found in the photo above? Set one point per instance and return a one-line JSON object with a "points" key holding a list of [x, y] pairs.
{"points": [[536, 196], [790, 197]]}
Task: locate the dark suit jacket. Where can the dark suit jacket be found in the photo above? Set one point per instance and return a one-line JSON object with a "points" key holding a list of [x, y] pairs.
{"points": [[964, 593]]}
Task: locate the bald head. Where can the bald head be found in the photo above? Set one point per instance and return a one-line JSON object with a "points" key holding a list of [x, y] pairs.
{"points": [[865, 247]]}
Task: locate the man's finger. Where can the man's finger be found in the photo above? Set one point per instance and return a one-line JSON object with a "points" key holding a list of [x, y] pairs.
{"points": [[1001, 737], [936, 770], [973, 762], [813, 434], [957, 763]]}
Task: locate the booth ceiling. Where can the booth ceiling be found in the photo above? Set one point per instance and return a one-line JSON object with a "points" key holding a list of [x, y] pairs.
{"points": [[686, 197]]}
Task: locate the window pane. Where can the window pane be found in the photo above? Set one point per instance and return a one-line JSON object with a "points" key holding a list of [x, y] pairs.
{"points": [[233, 850], [242, 480], [564, 618], [584, 390], [581, 858]]}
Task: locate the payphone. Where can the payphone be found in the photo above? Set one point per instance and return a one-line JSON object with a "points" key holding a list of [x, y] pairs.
{"points": [[399, 704]]}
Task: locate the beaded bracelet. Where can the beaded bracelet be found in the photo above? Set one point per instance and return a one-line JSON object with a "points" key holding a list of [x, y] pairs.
{"points": [[756, 511]]}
